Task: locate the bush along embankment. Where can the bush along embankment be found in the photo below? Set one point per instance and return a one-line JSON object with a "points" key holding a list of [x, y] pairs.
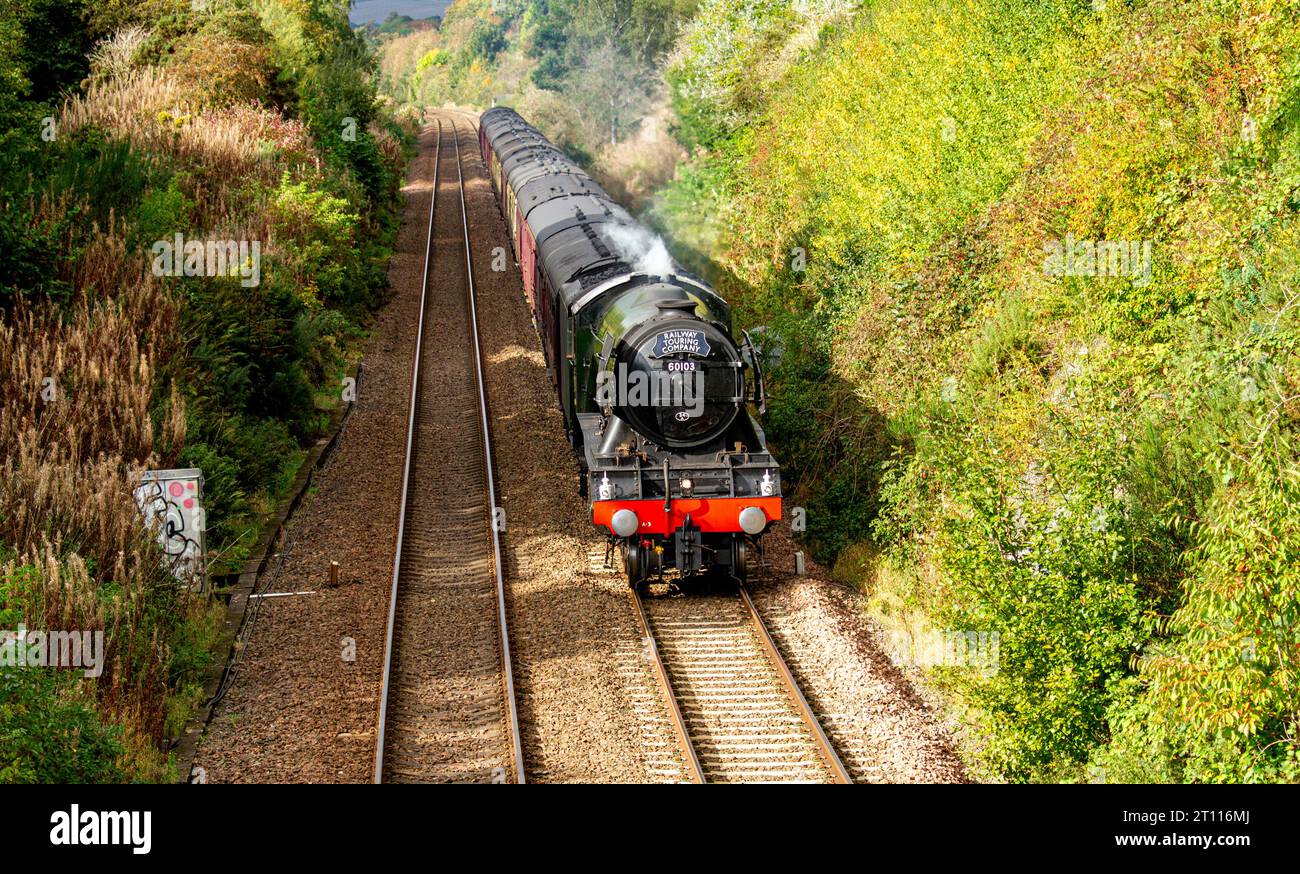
{"points": [[199, 202], [1031, 269]]}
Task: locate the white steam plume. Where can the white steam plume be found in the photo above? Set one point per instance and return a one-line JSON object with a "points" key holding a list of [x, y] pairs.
{"points": [[646, 252]]}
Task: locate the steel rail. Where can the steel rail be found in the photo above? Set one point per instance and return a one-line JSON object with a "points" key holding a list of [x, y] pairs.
{"points": [[507, 672], [824, 745], [665, 686], [406, 472], [825, 748]]}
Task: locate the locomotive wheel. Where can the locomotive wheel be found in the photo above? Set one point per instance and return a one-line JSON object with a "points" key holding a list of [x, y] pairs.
{"points": [[634, 564], [740, 557]]}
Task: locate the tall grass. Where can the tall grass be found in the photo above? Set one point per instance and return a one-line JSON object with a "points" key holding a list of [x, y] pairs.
{"points": [[107, 370], [156, 112], [76, 429]]}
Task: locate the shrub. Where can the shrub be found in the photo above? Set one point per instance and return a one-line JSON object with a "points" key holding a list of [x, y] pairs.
{"points": [[116, 55], [314, 231], [1219, 680], [224, 67], [723, 63], [53, 45], [51, 734], [32, 257], [161, 213], [108, 174], [1042, 554]]}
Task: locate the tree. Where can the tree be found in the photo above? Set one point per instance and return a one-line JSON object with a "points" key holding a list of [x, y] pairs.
{"points": [[611, 90]]}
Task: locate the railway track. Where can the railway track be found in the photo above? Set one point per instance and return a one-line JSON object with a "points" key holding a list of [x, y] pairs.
{"points": [[447, 708], [735, 706]]}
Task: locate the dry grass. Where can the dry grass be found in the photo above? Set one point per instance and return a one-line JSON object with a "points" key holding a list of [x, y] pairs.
{"points": [[389, 146], [635, 168], [136, 104], [155, 111], [115, 56], [75, 432]]}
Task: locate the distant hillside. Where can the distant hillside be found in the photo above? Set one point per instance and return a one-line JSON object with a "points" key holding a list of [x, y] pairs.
{"points": [[376, 12], [394, 26]]}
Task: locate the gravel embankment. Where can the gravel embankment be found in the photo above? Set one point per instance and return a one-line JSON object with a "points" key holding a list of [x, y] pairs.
{"points": [[588, 703], [446, 719], [298, 711], [883, 728]]}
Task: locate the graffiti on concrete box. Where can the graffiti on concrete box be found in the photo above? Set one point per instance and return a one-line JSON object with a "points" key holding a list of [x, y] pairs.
{"points": [[171, 502]]}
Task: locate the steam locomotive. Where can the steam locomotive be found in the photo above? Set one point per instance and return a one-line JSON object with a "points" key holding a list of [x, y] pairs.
{"points": [[654, 385]]}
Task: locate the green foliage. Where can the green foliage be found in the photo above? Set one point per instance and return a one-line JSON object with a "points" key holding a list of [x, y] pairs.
{"points": [[1041, 553], [41, 55], [52, 47], [32, 252], [325, 334], [435, 58], [37, 247], [338, 102], [225, 496], [1099, 468], [316, 231], [398, 25], [241, 363], [486, 41], [103, 18], [806, 403], [645, 29], [49, 733], [250, 353], [550, 72], [161, 211], [718, 77], [1221, 702], [597, 59], [110, 175], [1220, 680]]}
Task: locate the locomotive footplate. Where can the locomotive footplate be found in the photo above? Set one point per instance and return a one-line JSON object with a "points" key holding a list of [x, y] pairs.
{"points": [[686, 512]]}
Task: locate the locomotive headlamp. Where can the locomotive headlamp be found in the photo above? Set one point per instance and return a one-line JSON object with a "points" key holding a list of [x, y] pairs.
{"points": [[625, 523], [753, 520], [687, 485], [605, 491], [767, 488]]}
